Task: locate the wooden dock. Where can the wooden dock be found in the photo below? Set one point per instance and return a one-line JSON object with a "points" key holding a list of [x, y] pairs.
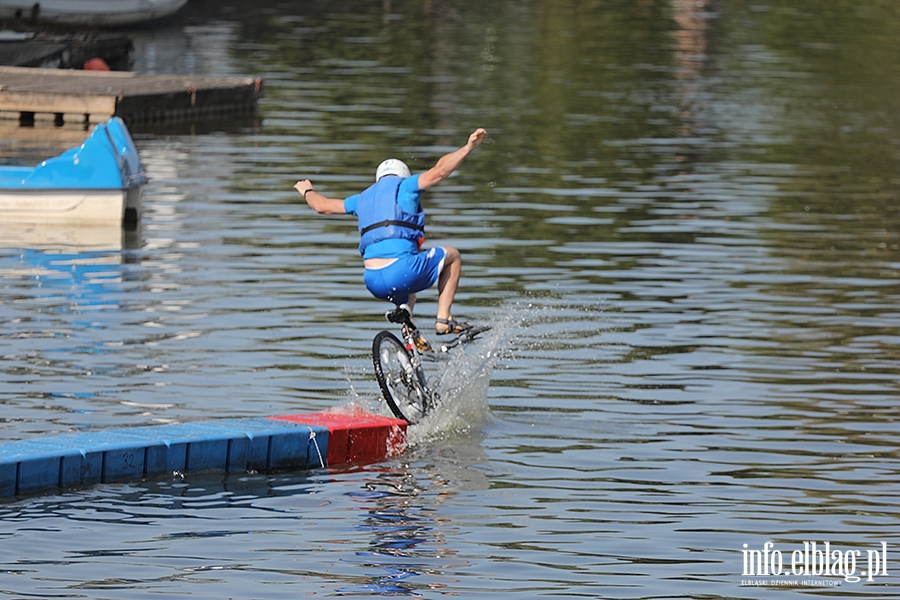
{"points": [[57, 97]]}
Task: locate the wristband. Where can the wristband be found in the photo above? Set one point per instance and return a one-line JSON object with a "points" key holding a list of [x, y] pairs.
{"points": [[306, 192]]}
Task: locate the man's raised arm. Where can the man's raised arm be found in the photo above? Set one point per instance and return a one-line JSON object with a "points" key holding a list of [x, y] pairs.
{"points": [[449, 162]]}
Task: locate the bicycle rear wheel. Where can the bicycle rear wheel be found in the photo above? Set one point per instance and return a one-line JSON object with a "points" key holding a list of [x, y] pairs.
{"points": [[401, 383]]}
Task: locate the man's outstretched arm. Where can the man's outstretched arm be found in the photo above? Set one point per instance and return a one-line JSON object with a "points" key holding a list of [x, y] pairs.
{"points": [[319, 203], [449, 162]]}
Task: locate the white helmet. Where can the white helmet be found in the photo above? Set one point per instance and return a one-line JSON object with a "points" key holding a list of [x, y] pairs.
{"points": [[392, 166]]}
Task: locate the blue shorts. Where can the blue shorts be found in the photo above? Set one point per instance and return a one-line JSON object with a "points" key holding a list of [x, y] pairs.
{"points": [[407, 275]]}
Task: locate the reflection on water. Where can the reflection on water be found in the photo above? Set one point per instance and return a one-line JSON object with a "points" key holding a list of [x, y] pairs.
{"points": [[682, 229], [405, 538], [192, 534]]}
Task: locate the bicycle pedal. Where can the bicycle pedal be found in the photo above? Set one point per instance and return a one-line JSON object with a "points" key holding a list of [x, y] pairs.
{"points": [[471, 333]]}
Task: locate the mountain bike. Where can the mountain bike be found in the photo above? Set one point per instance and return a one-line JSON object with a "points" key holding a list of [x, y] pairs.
{"points": [[399, 365]]}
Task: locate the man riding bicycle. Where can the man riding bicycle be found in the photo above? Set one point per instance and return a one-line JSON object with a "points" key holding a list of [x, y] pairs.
{"points": [[391, 223]]}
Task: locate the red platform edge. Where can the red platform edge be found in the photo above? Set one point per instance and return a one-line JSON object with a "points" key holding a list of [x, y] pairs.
{"points": [[356, 437]]}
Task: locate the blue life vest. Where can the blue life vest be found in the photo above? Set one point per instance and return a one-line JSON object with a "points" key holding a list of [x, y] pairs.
{"points": [[381, 218]]}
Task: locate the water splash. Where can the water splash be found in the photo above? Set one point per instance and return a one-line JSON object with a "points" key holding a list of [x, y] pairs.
{"points": [[462, 378]]}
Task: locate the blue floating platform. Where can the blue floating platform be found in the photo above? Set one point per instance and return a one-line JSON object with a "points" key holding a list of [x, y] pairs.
{"points": [[287, 442]]}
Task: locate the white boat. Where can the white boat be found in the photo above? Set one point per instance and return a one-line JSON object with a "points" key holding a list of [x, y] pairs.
{"points": [[89, 13], [98, 182]]}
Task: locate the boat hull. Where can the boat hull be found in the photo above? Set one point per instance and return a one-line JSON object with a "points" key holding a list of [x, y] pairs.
{"points": [[89, 13], [64, 238], [73, 207]]}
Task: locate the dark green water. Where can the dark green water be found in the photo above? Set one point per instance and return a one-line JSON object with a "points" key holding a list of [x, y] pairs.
{"points": [[684, 227]]}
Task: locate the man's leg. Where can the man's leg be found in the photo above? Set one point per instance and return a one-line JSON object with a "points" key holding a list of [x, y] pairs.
{"points": [[448, 281]]}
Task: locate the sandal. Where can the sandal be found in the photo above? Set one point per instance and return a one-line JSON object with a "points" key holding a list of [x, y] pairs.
{"points": [[453, 326]]}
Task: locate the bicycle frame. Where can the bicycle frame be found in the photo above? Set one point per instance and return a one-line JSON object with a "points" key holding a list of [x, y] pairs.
{"points": [[399, 366], [408, 333]]}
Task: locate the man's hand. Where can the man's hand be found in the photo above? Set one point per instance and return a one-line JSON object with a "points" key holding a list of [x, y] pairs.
{"points": [[303, 185], [477, 137]]}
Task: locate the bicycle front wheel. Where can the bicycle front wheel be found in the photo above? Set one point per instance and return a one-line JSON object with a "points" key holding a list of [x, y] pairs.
{"points": [[401, 383]]}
